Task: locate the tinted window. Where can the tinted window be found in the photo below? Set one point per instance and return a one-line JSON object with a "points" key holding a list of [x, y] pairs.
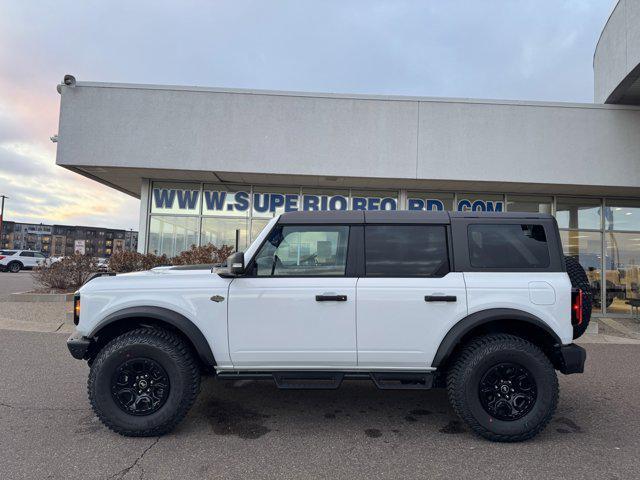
{"points": [[304, 251], [406, 251], [26, 254], [7, 252], [508, 246]]}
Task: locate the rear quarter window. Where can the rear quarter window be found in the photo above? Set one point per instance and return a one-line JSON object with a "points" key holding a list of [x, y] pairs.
{"points": [[509, 246]]}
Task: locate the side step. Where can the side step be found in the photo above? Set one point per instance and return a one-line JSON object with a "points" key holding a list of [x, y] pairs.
{"points": [[308, 380], [402, 380]]}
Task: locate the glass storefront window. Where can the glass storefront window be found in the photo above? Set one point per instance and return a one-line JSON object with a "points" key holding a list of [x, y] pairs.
{"points": [[257, 224], [529, 203], [622, 271], [622, 215], [271, 201], [582, 213], [480, 202], [176, 198], [586, 247], [192, 213], [429, 201], [226, 200], [172, 235], [222, 231], [374, 200]]}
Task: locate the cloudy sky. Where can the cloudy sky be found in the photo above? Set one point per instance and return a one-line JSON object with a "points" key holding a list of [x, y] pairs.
{"points": [[509, 49]]}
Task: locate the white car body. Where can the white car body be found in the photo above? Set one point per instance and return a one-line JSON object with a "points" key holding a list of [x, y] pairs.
{"points": [[271, 324], [25, 258]]}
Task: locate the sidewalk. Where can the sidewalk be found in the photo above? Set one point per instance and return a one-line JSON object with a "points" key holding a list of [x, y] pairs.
{"points": [[37, 316]]}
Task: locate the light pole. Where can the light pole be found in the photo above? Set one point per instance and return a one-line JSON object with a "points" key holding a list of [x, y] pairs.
{"points": [[2, 216]]}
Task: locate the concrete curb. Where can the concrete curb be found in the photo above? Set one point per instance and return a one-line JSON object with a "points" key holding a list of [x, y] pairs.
{"points": [[37, 297]]}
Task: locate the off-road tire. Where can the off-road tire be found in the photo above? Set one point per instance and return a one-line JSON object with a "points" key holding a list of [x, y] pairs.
{"points": [[579, 279], [480, 355], [14, 267], [167, 349]]}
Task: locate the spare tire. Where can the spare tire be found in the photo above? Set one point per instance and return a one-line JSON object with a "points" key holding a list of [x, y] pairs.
{"points": [[579, 279]]}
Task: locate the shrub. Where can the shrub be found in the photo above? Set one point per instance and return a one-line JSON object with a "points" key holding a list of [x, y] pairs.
{"points": [[67, 274], [71, 272], [122, 262], [205, 254]]}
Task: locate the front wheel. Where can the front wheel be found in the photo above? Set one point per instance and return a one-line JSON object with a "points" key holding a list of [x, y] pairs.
{"points": [[503, 387], [143, 382]]}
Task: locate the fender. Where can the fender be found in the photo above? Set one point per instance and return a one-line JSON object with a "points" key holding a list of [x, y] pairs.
{"points": [[180, 322], [464, 326]]}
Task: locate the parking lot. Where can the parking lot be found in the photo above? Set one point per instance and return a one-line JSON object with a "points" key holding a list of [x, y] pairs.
{"points": [[16, 282], [252, 430]]}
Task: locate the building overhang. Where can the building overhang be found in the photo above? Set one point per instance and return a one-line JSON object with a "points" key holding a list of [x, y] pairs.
{"points": [[120, 134]]}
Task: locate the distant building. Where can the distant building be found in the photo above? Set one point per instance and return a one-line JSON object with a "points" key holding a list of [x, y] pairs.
{"points": [[60, 240]]}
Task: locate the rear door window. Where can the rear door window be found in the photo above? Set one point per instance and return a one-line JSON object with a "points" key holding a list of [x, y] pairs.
{"points": [[26, 254], [508, 246], [406, 251]]}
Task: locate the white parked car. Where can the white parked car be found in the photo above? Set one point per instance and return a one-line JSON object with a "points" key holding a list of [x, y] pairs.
{"points": [[16, 260], [485, 305]]}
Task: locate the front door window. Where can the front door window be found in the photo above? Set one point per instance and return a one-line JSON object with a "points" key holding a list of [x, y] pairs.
{"points": [[304, 251]]}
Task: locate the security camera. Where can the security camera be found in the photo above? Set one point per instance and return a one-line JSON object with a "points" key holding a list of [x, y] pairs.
{"points": [[69, 80]]}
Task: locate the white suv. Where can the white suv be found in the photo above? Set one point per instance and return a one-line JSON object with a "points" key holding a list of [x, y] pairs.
{"points": [[16, 260], [485, 305]]}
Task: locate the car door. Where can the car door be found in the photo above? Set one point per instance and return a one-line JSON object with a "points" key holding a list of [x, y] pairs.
{"points": [[408, 298], [28, 260], [295, 307], [38, 259]]}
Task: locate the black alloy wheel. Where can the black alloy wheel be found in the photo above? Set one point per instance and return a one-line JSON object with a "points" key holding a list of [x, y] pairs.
{"points": [[508, 391], [140, 386]]}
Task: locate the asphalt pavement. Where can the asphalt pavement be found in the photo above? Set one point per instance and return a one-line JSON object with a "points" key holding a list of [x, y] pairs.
{"points": [[248, 429], [16, 282]]}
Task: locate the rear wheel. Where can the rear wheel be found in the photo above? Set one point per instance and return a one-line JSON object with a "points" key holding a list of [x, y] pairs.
{"points": [[143, 382], [503, 387], [15, 267]]}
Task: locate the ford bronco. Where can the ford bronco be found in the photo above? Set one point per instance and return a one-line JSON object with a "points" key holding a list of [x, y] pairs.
{"points": [[482, 304]]}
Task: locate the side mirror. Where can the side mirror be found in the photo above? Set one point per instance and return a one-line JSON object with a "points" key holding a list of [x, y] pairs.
{"points": [[235, 264]]}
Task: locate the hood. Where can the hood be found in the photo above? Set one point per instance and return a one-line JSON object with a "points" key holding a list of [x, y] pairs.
{"points": [[158, 278]]}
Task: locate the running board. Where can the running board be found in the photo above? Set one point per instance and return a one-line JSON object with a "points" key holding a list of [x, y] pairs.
{"points": [[307, 380], [402, 380]]}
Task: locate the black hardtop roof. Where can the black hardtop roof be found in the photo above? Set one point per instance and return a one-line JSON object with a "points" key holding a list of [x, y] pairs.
{"points": [[397, 216]]}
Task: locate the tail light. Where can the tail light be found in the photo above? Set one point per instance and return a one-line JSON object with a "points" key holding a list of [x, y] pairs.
{"points": [[76, 309], [2, 256], [577, 297]]}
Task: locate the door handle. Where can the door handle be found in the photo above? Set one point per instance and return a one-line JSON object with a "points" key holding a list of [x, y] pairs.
{"points": [[440, 298], [331, 298]]}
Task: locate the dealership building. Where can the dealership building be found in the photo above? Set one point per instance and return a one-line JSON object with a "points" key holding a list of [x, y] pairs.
{"points": [[213, 165]]}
